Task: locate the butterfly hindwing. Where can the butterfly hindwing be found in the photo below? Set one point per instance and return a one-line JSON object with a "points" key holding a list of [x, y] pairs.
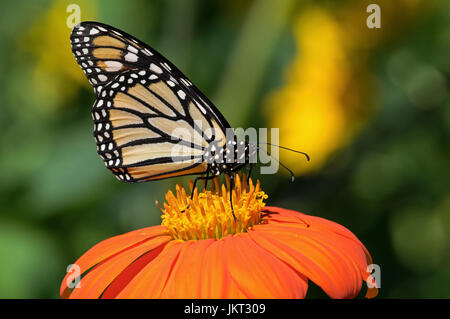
{"points": [[147, 129]]}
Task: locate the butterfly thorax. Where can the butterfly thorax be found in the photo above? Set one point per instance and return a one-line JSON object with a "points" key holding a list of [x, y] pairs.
{"points": [[229, 157]]}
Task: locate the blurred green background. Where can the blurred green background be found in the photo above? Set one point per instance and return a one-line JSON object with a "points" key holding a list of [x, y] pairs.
{"points": [[371, 107]]}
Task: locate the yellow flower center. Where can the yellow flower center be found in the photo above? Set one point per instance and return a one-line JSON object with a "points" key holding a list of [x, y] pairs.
{"points": [[208, 214]]}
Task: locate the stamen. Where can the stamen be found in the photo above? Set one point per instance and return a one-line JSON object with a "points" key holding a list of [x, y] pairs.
{"points": [[208, 214]]}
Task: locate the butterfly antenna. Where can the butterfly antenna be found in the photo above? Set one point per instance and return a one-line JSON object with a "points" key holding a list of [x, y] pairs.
{"points": [[289, 149], [284, 166]]}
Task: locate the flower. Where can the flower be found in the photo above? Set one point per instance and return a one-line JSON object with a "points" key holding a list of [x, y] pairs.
{"points": [[200, 251]]}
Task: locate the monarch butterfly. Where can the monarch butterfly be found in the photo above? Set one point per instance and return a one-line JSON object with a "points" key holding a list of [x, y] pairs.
{"points": [[142, 100]]}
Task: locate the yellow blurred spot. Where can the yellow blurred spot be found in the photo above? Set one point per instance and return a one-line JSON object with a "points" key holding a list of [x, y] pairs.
{"points": [[308, 109], [56, 75], [326, 97]]}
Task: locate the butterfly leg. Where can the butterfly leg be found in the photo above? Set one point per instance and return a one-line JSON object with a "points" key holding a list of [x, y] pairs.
{"points": [[205, 178], [231, 176]]}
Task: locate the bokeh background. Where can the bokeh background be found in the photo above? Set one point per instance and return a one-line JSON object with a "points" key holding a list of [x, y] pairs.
{"points": [[370, 106]]}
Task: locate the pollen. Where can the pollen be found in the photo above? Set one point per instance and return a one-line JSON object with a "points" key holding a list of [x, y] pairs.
{"points": [[208, 214]]}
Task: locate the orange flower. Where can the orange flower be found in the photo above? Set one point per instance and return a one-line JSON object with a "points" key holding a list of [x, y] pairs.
{"points": [[200, 251]]}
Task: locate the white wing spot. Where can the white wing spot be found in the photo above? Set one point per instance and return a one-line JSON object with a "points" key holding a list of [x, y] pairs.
{"points": [[185, 82], [181, 94], [132, 49], [147, 52], [131, 57], [113, 66], [173, 80], [155, 68], [166, 66]]}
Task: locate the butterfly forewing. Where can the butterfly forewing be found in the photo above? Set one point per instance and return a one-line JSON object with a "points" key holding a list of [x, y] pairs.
{"points": [[103, 52]]}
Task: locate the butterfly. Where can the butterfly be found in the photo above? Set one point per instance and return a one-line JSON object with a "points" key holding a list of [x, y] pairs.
{"points": [[150, 121]]}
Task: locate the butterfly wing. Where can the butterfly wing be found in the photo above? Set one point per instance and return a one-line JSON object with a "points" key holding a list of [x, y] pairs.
{"points": [[103, 52], [150, 121]]}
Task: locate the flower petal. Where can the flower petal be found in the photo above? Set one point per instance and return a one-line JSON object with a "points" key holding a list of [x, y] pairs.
{"points": [[286, 215], [110, 247], [94, 283], [327, 254], [258, 273], [187, 272], [338, 232], [216, 281], [151, 280]]}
